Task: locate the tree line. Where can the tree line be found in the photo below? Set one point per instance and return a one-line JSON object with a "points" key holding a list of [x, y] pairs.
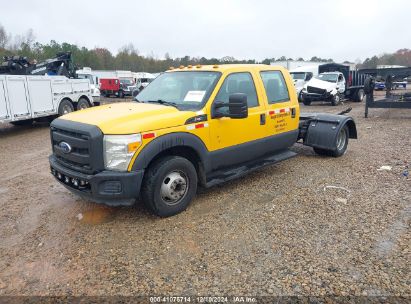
{"points": [[129, 58]]}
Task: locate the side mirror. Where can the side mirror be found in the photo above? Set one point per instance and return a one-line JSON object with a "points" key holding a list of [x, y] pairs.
{"points": [[308, 77], [237, 107]]}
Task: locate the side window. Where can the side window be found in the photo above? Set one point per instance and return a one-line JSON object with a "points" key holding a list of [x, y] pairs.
{"points": [[275, 86], [238, 83]]}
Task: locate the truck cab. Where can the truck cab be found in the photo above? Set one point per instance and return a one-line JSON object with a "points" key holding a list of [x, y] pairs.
{"points": [[86, 73], [301, 75], [326, 86], [191, 127]]}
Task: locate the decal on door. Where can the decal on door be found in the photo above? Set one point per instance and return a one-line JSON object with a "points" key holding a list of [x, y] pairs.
{"points": [[280, 116]]}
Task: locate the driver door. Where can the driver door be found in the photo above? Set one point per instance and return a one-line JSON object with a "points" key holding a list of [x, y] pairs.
{"points": [[235, 141], [341, 84]]}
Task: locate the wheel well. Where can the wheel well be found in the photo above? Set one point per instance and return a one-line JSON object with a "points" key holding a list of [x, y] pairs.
{"points": [[65, 98], [352, 130], [188, 153]]}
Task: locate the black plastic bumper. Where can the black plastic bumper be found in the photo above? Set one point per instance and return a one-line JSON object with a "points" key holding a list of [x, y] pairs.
{"points": [[107, 187], [315, 97]]}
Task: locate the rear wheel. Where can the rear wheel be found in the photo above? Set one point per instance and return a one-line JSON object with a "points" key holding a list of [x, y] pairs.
{"points": [[83, 104], [65, 107], [169, 185], [341, 144], [360, 95]]}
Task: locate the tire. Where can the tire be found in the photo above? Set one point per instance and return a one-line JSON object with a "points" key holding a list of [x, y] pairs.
{"points": [[120, 94], [65, 107], [306, 101], [341, 144], [83, 104], [300, 97], [360, 95], [26, 122], [157, 190], [336, 99]]}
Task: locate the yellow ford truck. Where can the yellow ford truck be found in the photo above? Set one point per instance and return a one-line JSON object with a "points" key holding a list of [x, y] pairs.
{"points": [[192, 126]]}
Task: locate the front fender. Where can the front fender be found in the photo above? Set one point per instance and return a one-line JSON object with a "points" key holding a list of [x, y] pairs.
{"points": [[168, 141]]}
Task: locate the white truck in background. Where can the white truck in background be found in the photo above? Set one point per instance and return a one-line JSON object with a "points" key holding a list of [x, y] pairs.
{"points": [[301, 76], [142, 79], [24, 99], [86, 73], [334, 83]]}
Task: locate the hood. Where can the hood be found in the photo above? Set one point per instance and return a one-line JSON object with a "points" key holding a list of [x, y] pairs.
{"points": [[321, 84], [127, 117]]}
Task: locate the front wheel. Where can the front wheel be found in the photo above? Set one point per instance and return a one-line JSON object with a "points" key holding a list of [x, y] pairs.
{"points": [[169, 185], [300, 97], [336, 99], [341, 144], [306, 101]]}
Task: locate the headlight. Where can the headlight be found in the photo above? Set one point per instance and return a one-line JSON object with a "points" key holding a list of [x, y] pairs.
{"points": [[119, 149]]}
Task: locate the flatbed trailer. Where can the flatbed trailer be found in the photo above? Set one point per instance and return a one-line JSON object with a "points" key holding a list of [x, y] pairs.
{"points": [[391, 100]]}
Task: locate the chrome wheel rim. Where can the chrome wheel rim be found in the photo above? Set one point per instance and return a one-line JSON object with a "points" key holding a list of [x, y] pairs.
{"points": [[174, 187], [337, 98], [342, 137]]}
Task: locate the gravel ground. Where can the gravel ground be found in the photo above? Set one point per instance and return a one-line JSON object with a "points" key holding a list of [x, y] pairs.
{"points": [[277, 231]]}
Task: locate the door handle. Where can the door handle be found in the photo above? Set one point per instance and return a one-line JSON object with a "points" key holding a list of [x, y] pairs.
{"points": [[262, 119]]}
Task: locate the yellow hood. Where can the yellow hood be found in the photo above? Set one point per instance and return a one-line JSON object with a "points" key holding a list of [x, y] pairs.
{"points": [[127, 117]]}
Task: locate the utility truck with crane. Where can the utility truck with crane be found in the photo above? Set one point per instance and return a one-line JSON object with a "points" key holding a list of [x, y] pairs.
{"points": [[31, 91]]}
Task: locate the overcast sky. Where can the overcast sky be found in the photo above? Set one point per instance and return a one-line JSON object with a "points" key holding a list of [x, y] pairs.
{"points": [[245, 29]]}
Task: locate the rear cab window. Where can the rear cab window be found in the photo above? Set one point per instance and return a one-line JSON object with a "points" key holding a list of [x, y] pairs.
{"points": [[275, 86]]}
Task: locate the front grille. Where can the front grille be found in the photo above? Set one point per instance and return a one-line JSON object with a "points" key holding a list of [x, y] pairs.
{"points": [[315, 90], [79, 157], [85, 142]]}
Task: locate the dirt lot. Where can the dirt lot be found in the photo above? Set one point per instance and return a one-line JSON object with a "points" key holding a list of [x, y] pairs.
{"points": [[278, 231]]}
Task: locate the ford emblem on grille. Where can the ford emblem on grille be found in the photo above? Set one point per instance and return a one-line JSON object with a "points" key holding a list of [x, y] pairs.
{"points": [[65, 147]]}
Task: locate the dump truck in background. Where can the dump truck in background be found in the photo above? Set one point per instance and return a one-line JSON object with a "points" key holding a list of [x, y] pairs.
{"points": [[334, 83]]}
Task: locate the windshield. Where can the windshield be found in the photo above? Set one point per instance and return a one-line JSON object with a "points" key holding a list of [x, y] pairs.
{"points": [[298, 76], [187, 90], [328, 77], [126, 81], [89, 77]]}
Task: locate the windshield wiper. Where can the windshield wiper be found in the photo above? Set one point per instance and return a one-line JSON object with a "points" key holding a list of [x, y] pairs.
{"points": [[163, 102]]}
